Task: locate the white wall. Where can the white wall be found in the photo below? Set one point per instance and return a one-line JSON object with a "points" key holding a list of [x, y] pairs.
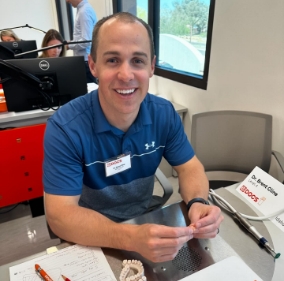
{"points": [[102, 7], [40, 14], [246, 68]]}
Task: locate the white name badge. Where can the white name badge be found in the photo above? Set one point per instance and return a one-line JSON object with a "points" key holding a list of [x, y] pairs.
{"points": [[117, 165]]}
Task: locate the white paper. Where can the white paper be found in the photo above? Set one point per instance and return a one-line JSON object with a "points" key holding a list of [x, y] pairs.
{"points": [[232, 268], [265, 193], [75, 262]]}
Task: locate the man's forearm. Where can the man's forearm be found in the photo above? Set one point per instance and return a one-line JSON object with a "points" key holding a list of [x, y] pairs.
{"points": [[194, 184], [193, 181], [87, 227]]}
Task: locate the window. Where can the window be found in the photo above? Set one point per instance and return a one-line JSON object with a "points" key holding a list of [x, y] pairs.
{"points": [[182, 35]]}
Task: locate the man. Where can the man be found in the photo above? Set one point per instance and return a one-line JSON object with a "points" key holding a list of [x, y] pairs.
{"points": [[102, 151], [83, 28]]}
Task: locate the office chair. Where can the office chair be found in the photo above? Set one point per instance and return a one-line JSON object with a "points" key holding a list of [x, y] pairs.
{"points": [[231, 143], [156, 202]]}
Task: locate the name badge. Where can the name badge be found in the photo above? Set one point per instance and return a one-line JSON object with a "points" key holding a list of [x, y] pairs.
{"points": [[118, 164]]}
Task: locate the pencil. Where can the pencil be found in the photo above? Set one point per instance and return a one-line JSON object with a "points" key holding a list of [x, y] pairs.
{"points": [[65, 278]]}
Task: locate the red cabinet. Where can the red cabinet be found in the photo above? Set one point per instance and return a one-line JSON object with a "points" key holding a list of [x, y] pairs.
{"points": [[21, 156]]}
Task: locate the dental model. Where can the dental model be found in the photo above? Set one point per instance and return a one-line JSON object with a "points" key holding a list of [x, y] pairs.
{"points": [[136, 266]]}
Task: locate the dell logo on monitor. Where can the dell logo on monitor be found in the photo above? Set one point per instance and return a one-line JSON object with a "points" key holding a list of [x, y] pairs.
{"points": [[44, 65], [15, 44]]}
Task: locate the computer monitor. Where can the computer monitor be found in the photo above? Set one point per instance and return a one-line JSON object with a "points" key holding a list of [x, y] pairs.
{"points": [[8, 50], [64, 79]]}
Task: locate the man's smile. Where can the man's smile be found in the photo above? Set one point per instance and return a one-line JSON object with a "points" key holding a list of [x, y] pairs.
{"points": [[126, 91]]}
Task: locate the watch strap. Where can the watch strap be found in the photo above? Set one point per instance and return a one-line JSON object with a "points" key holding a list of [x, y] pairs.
{"points": [[196, 200]]}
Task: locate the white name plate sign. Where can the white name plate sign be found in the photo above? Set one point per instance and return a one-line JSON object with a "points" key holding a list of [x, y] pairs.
{"points": [[265, 193]]}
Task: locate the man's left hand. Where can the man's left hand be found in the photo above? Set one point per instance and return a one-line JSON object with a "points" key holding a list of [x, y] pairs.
{"points": [[205, 220]]}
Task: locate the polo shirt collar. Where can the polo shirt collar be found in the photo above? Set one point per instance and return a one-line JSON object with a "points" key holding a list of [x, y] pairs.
{"points": [[81, 4], [143, 118], [102, 125]]}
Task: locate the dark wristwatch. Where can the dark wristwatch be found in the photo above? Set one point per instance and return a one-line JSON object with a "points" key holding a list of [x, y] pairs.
{"points": [[196, 200]]}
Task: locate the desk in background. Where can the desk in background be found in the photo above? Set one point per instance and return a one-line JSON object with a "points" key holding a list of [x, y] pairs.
{"points": [[21, 152], [198, 254]]}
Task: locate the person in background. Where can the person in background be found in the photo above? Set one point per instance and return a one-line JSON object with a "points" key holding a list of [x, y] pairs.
{"points": [[101, 152], [8, 35], [84, 23], [53, 37]]}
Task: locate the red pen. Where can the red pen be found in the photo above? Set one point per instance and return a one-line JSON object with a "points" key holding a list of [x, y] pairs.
{"points": [[42, 273], [65, 278]]}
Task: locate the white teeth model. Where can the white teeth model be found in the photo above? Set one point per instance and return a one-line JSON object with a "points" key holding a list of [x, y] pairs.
{"points": [[125, 92], [136, 266]]}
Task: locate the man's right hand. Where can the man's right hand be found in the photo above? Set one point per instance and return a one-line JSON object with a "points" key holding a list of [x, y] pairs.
{"points": [[159, 243]]}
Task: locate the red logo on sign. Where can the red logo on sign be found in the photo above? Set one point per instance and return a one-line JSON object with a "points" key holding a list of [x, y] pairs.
{"points": [[114, 162], [246, 191]]}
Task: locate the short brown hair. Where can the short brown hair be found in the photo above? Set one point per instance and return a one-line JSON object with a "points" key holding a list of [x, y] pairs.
{"points": [[124, 17]]}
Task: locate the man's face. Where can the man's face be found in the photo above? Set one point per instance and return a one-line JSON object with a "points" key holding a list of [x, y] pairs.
{"points": [[123, 67], [74, 3]]}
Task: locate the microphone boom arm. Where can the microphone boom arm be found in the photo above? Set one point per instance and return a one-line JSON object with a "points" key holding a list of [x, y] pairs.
{"points": [[23, 27], [51, 47]]}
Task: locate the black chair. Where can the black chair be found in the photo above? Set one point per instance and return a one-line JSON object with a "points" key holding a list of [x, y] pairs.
{"points": [[231, 143]]}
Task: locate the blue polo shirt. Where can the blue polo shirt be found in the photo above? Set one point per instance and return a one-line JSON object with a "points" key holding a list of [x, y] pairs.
{"points": [[79, 140]]}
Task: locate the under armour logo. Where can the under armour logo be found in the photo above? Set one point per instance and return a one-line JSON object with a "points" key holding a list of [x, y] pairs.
{"points": [[149, 145]]}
